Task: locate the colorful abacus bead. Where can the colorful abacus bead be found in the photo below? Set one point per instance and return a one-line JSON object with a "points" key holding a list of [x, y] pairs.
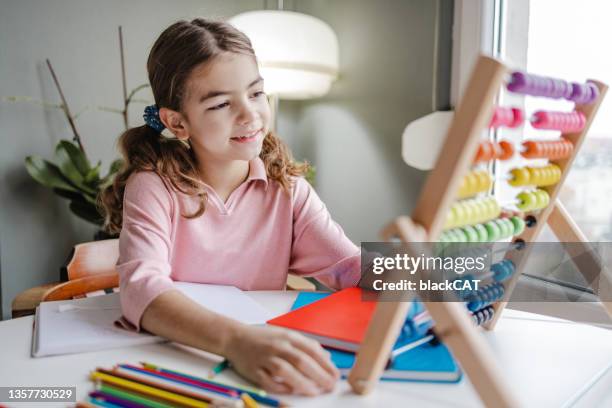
{"points": [[502, 270], [485, 296], [566, 122], [473, 183], [519, 225], [484, 315], [483, 236], [488, 151], [519, 177], [584, 94], [529, 84], [506, 117], [536, 176], [549, 149], [468, 212], [505, 226], [532, 200], [493, 230]]}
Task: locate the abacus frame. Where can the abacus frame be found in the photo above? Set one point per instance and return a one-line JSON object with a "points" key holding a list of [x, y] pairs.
{"points": [[453, 325]]}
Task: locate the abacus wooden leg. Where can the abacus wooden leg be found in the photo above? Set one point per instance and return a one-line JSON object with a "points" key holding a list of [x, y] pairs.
{"points": [[598, 276], [456, 330], [380, 337]]}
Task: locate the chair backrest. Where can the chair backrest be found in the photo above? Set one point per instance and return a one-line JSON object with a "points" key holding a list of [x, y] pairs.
{"points": [[93, 258], [91, 268]]}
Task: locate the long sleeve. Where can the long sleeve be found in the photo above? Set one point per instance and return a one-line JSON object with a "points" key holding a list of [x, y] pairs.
{"points": [[144, 244], [320, 248]]}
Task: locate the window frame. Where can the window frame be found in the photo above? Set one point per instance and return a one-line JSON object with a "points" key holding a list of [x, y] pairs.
{"points": [[479, 27]]}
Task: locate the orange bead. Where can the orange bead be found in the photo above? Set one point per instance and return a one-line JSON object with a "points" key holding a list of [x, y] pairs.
{"points": [[569, 147], [497, 151], [558, 150], [485, 152], [507, 150], [530, 149]]}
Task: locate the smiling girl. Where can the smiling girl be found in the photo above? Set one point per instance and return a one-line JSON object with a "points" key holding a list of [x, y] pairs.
{"points": [[208, 194]]}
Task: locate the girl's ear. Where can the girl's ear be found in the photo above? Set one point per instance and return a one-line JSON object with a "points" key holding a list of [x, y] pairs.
{"points": [[174, 122]]}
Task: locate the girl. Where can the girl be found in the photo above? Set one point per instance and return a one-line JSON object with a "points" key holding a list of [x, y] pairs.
{"points": [[208, 194]]}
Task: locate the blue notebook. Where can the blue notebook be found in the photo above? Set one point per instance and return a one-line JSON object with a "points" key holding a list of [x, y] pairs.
{"points": [[430, 363]]}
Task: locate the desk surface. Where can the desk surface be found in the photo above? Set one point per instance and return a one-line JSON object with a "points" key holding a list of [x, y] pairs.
{"points": [[546, 362]]}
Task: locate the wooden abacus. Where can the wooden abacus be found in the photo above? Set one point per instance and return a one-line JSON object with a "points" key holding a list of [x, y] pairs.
{"points": [[435, 212]]}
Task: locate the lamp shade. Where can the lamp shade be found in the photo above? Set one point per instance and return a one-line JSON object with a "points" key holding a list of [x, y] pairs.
{"points": [[297, 53]]}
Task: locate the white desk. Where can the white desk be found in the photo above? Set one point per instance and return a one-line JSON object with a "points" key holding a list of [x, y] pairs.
{"points": [[546, 363]]}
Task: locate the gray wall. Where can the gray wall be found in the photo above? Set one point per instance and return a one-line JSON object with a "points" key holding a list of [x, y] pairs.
{"points": [[389, 76]]}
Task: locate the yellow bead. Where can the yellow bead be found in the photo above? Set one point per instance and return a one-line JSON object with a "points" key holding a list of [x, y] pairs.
{"points": [[520, 177], [484, 180]]}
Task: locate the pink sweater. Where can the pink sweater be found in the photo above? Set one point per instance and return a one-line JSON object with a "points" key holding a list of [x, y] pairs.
{"points": [[252, 241]]}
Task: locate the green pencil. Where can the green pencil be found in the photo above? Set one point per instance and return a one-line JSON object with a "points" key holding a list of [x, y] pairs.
{"points": [[218, 368]]}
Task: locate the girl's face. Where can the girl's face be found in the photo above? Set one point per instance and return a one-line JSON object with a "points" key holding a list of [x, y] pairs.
{"points": [[225, 109]]}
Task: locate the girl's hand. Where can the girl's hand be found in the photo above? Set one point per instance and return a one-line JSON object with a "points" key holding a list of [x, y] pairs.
{"points": [[281, 361]]}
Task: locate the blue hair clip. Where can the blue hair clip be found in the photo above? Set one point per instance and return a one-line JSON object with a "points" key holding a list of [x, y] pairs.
{"points": [[151, 118]]}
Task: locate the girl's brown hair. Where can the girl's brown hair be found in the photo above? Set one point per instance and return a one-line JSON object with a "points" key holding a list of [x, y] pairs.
{"points": [[179, 49]]}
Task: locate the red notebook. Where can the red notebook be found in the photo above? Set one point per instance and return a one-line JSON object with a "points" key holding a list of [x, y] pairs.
{"points": [[340, 320]]}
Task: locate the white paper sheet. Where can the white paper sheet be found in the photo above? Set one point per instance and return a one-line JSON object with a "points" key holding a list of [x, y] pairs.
{"points": [[80, 325]]}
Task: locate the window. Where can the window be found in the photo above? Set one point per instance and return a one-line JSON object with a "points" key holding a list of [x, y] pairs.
{"points": [[569, 40]]}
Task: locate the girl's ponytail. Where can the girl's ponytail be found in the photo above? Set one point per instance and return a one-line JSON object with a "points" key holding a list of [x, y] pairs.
{"points": [[145, 149]]}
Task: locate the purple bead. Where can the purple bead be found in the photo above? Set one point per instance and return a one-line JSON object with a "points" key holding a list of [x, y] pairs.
{"points": [[518, 82], [578, 91], [567, 91], [594, 92]]}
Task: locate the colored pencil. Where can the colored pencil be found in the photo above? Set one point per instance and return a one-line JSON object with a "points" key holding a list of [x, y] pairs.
{"points": [[249, 402], [99, 403], [218, 368], [182, 380], [99, 395], [169, 385], [238, 388], [258, 395], [132, 396], [132, 385]]}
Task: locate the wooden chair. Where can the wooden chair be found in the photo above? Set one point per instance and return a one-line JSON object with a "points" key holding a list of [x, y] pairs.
{"points": [[92, 268]]}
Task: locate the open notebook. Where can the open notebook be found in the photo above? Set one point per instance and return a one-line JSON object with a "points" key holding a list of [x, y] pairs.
{"points": [[89, 324]]}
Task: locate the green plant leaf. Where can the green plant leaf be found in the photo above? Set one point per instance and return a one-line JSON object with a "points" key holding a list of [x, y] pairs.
{"points": [[112, 171], [74, 155], [71, 195], [47, 174], [72, 164], [115, 166], [87, 211], [93, 175]]}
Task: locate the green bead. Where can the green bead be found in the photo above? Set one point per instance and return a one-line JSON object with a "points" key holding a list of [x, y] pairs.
{"points": [[471, 234], [542, 199], [503, 228], [493, 231], [518, 224], [483, 235], [509, 226], [527, 201]]}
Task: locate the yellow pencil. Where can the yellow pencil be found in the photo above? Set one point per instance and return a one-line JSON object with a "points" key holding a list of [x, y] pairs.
{"points": [[249, 402], [145, 389]]}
